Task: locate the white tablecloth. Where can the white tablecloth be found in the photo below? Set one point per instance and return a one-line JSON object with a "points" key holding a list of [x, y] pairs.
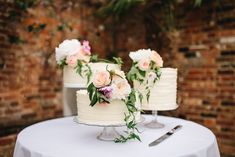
{"points": [[65, 138]]}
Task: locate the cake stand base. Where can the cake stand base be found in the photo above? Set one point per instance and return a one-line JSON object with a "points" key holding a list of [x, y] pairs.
{"points": [[154, 124], [108, 134]]}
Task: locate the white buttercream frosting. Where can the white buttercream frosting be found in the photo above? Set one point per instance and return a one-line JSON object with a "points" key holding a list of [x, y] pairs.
{"points": [[163, 94], [101, 114], [72, 79]]}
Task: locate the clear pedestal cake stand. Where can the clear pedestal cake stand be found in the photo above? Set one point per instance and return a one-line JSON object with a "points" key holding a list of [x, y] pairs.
{"points": [[109, 133], [154, 124]]}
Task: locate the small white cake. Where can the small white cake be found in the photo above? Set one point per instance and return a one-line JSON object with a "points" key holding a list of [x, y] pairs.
{"points": [[101, 114], [73, 79], [163, 94]]}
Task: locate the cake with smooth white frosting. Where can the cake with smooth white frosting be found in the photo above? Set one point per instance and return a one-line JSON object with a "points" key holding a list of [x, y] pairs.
{"points": [[163, 94], [73, 79], [102, 113]]}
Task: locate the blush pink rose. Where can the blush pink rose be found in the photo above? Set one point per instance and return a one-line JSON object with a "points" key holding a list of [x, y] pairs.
{"points": [[101, 79], [72, 60], [157, 59], [143, 64]]}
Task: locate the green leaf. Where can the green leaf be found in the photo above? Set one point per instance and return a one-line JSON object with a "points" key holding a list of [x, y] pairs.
{"points": [[62, 63], [142, 73], [94, 58], [78, 68], [118, 61]]}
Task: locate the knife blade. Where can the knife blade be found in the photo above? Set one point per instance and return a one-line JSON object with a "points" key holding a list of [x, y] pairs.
{"points": [[165, 136]]}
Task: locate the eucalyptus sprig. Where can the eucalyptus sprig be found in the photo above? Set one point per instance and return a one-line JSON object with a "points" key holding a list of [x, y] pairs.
{"points": [[132, 131]]}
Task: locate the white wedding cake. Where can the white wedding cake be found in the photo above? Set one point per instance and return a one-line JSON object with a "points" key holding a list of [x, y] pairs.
{"points": [[106, 100], [157, 85], [163, 93]]}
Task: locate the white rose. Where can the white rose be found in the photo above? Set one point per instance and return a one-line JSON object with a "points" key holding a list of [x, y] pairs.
{"points": [[121, 89], [140, 54], [67, 48]]}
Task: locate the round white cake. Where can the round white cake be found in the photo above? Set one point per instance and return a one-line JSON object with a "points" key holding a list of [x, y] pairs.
{"points": [[101, 114], [163, 94], [73, 79]]}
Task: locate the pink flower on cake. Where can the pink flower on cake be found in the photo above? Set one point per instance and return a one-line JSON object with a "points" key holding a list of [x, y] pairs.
{"points": [[121, 89], [106, 91], [86, 47], [72, 60], [157, 59], [101, 79], [143, 64]]}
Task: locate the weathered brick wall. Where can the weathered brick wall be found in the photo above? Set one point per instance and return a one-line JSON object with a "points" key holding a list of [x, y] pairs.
{"points": [[204, 52], [202, 48]]}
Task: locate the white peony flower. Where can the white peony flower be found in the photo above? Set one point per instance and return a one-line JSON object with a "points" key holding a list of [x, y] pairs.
{"points": [[140, 54], [67, 48], [121, 89]]}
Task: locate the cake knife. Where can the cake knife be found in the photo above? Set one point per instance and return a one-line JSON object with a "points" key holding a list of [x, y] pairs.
{"points": [[165, 136]]}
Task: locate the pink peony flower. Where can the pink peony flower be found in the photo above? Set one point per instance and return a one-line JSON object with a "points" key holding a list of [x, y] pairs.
{"points": [[143, 64], [86, 48], [157, 59], [101, 79], [72, 60]]}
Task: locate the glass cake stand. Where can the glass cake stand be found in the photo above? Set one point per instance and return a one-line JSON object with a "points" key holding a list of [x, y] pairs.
{"points": [[109, 133], [154, 124]]}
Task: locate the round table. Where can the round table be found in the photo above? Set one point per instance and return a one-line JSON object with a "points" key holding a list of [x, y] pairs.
{"points": [[64, 138]]}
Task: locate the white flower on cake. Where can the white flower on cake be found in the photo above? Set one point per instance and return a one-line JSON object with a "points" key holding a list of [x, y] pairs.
{"points": [[67, 48], [72, 50], [140, 54], [121, 89], [101, 79]]}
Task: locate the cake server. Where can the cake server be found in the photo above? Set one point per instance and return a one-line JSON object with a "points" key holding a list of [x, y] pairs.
{"points": [[165, 136]]}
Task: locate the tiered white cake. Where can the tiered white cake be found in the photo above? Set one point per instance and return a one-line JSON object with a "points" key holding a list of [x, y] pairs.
{"points": [[73, 79], [102, 114], [164, 92]]}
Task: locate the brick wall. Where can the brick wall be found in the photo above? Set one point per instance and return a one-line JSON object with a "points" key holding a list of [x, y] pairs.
{"points": [[202, 48]]}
